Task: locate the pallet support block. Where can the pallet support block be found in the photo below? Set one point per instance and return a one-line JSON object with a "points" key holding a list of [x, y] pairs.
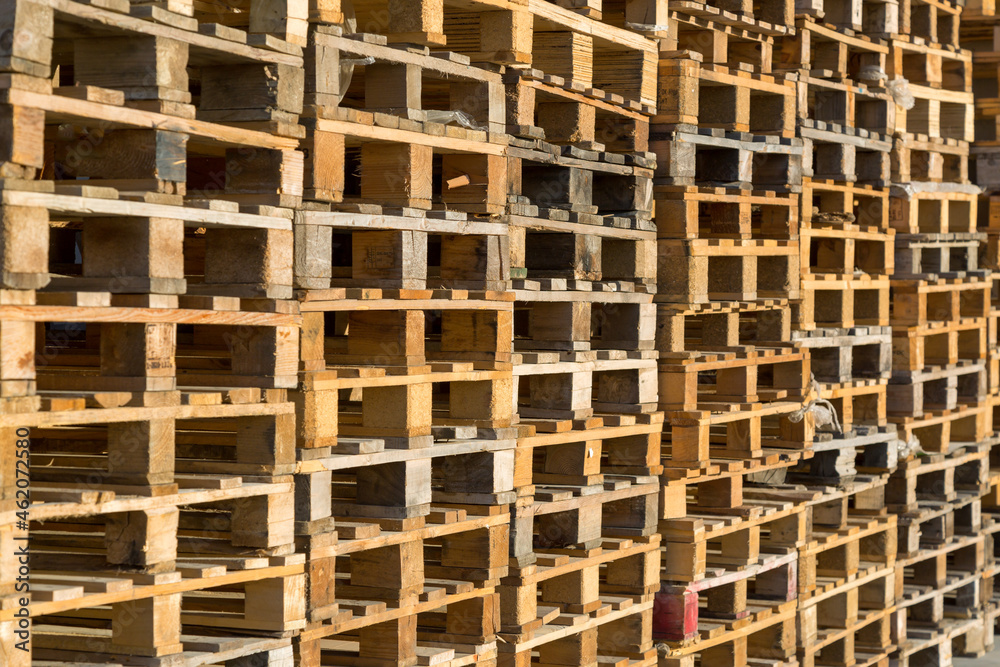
{"points": [[312, 497], [324, 174], [403, 486], [392, 572], [576, 256], [563, 394], [391, 259], [143, 67], [250, 263], [474, 182], [263, 522], [560, 325], [315, 417], [141, 453], [475, 262], [567, 122], [391, 642], [135, 254], [142, 352], [481, 551], [490, 402], [397, 174], [626, 391], [473, 621], [483, 472], [266, 353], [578, 650], [275, 603], [401, 414], [24, 247], [386, 337], [144, 539], [483, 335], [580, 526], [392, 88], [147, 627]]}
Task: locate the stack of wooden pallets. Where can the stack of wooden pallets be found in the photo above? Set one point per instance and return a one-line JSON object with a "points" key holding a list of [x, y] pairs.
{"points": [[940, 312], [443, 332], [846, 118], [733, 385], [846, 121], [979, 34], [148, 338], [583, 550], [404, 409]]}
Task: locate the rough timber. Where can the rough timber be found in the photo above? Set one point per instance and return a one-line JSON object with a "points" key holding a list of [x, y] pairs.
{"points": [[577, 333]]}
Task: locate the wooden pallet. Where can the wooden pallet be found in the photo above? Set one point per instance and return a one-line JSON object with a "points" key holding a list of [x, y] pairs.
{"points": [[64, 644], [718, 326], [409, 332], [581, 185], [696, 438], [769, 635], [921, 302], [401, 488], [832, 205], [771, 16], [222, 345], [583, 254], [177, 249], [919, 347], [722, 95], [832, 152], [561, 105], [933, 210], [320, 372], [940, 79], [837, 457], [842, 355], [852, 538], [927, 158], [942, 477], [942, 579], [719, 381], [829, 51], [727, 270], [978, 37], [398, 163], [720, 215], [833, 301], [937, 22], [864, 17], [727, 159], [943, 255], [745, 45], [858, 109], [721, 522], [589, 602], [572, 385], [859, 403], [381, 248], [946, 430], [923, 646], [681, 609], [606, 323], [867, 642], [937, 389], [846, 250]]}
